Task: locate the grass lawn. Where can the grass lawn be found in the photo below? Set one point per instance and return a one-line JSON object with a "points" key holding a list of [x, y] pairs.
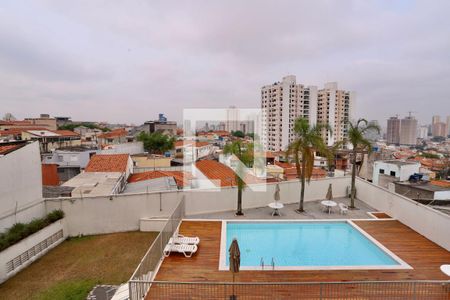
{"points": [[73, 268]]}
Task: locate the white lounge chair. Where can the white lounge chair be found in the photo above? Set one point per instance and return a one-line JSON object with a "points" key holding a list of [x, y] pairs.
{"points": [[343, 208], [187, 250], [181, 239]]}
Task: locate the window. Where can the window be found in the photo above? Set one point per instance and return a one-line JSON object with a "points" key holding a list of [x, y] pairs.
{"points": [[393, 173], [381, 171]]}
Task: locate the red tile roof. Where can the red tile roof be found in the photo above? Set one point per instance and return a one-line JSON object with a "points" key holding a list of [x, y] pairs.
{"points": [[181, 178], [290, 171], [5, 149], [217, 132], [433, 164], [19, 130], [114, 133], [179, 144], [108, 163], [15, 123], [50, 174], [66, 133], [441, 183], [224, 174]]}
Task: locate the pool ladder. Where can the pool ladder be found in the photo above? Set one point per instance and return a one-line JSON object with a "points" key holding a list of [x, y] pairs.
{"points": [[262, 263]]}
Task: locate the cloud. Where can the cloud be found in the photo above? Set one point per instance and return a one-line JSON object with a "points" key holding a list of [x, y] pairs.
{"points": [[127, 61]]}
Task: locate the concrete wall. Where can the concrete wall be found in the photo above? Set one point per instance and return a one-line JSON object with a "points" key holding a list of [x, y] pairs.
{"points": [[20, 186], [402, 172], [27, 248], [429, 222], [124, 148], [123, 212]]}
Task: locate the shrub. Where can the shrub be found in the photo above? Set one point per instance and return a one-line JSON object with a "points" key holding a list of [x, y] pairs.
{"points": [[19, 231], [55, 215]]}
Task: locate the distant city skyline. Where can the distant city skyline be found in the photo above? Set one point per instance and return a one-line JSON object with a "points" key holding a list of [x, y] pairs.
{"points": [[127, 62]]}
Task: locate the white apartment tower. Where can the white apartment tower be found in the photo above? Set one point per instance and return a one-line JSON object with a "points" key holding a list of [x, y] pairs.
{"points": [[334, 107], [232, 123], [283, 102]]}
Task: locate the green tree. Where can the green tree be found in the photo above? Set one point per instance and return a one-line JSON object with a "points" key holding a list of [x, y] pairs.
{"points": [[156, 142], [238, 133], [307, 141], [245, 154], [356, 137]]}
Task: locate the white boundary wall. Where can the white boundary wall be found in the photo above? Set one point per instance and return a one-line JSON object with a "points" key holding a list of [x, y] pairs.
{"points": [[21, 186], [96, 215], [429, 222], [27, 251]]}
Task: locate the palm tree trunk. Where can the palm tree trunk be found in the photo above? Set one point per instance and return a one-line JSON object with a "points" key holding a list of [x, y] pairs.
{"points": [[239, 202], [353, 188], [302, 188]]}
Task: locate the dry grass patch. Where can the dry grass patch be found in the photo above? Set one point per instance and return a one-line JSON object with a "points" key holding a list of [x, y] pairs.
{"points": [[78, 264]]}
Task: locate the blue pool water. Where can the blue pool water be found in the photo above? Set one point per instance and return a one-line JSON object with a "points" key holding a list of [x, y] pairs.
{"points": [[309, 244]]}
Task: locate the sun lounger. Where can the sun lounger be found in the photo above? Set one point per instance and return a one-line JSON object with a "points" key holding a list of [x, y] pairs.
{"points": [[181, 239], [187, 250], [343, 208]]}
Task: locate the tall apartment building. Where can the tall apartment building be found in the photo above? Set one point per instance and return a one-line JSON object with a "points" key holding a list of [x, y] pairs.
{"points": [[439, 128], [283, 102], [408, 131], [333, 108], [435, 119], [402, 131], [232, 123], [423, 132], [448, 125], [393, 130]]}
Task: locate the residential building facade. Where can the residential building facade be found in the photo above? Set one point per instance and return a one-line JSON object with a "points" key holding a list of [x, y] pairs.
{"points": [[282, 103], [393, 131], [161, 125], [334, 107], [408, 131]]}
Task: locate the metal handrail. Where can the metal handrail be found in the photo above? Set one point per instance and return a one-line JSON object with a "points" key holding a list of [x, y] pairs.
{"points": [[296, 282]]}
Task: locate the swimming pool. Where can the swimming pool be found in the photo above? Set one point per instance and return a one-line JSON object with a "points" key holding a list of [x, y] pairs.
{"points": [[304, 245]]}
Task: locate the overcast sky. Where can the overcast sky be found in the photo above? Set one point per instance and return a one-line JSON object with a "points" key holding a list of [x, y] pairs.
{"points": [[126, 61]]}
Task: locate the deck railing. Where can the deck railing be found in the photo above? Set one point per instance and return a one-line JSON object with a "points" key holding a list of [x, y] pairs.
{"points": [[144, 273], [368, 290]]}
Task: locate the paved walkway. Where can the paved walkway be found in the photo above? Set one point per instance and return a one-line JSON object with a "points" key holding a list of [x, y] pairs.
{"points": [[313, 210]]}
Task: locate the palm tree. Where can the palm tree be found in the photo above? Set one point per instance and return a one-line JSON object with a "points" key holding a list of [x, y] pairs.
{"points": [[308, 140], [356, 137], [245, 156]]}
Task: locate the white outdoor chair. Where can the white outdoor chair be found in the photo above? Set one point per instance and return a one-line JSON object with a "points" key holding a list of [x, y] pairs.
{"points": [[343, 208], [187, 250], [181, 239]]}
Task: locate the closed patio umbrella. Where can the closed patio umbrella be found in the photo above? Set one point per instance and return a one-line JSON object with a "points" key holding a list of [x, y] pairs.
{"points": [[276, 196], [329, 193], [235, 261]]}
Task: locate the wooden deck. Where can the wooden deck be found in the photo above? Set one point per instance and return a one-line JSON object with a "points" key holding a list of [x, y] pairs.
{"points": [[381, 215], [423, 255]]}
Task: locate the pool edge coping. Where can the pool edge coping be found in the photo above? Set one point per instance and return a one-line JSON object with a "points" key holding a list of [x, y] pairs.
{"points": [[402, 264]]}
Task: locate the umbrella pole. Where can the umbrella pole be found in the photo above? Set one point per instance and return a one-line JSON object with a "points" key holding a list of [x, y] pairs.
{"points": [[233, 297]]}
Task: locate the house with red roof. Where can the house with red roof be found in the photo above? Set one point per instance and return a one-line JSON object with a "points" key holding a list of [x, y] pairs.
{"points": [[158, 180], [52, 139], [216, 174], [115, 136], [193, 150], [105, 174]]}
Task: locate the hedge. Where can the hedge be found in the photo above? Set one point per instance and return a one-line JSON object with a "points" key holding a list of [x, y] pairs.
{"points": [[19, 231]]}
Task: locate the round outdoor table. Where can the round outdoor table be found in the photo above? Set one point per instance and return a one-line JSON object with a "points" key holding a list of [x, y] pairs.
{"points": [[328, 204], [276, 206]]}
